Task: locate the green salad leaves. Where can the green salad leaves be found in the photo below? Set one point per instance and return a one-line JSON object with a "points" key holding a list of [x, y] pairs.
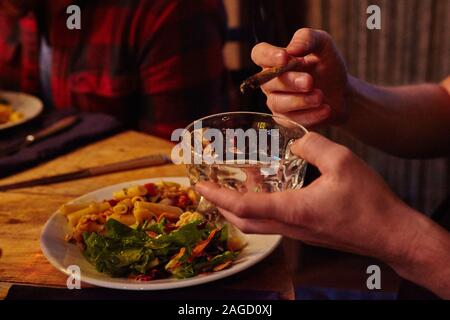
{"points": [[155, 251]]}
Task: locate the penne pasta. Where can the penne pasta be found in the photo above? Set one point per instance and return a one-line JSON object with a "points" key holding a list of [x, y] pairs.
{"points": [[127, 202], [123, 206], [158, 209], [120, 209], [94, 208], [130, 192], [127, 219], [167, 184], [142, 215], [69, 208], [136, 199]]}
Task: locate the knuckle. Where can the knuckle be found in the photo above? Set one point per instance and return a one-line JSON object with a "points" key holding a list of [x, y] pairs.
{"points": [[302, 145], [299, 39], [323, 34], [319, 93], [319, 96], [310, 138], [323, 113], [342, 156], [311, 38], [325, 39]]}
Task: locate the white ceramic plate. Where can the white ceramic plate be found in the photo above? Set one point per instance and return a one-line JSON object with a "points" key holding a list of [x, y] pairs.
{"points": [[62, 254], [26, 104]]}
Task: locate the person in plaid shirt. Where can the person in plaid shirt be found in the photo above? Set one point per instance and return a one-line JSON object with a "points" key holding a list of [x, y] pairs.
{"points": [[155, 65]]}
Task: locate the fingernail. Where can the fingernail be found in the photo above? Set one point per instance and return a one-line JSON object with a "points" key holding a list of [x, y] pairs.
{"points": [[281, 57], [312, 99]]}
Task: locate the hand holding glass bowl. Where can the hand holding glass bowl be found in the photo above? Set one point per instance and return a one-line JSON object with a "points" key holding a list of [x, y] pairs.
{"points": [[245, 151]]}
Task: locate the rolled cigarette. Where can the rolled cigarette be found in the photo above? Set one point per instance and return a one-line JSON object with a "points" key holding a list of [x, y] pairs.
{"points": [[257, 80]]}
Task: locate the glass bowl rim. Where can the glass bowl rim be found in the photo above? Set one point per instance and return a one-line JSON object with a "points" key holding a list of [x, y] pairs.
{"points": [[298, 125]]}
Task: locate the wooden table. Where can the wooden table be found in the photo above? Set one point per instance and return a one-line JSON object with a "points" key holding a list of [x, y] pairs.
{"points": [[23, 213]]}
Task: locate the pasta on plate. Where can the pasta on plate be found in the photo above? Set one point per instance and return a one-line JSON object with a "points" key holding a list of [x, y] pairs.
{"points": [[7, 113], [151, 231]]}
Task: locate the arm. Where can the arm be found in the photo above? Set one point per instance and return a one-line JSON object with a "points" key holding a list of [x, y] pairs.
{"points": [[426, 261], [338, 211], [407, 121]]}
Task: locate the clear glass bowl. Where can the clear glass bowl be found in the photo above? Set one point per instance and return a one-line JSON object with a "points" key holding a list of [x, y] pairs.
{"points": [[246, 151]]}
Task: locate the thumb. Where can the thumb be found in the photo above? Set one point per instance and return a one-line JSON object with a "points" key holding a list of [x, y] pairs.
{"points": [[306, 41], [320, 151]]}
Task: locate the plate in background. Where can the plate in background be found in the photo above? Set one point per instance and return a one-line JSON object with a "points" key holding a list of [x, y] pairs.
{"points": [[28, 105]]}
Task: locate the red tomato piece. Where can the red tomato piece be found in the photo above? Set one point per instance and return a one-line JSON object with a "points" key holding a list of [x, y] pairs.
{"points": [[151, 189]]}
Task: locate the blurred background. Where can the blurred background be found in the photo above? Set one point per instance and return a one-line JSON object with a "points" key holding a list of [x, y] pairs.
{"points": [[413, 46]]}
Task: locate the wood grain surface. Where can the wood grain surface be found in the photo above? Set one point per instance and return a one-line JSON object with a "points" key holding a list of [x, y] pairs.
{"points": [[23, 213]]}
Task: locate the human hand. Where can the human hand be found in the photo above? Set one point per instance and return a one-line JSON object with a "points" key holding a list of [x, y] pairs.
{"points": [[348, 208], [316, 92]]}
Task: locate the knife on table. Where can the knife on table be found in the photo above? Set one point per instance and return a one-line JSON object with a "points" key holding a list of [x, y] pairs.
{"points": [[55, 128], [152, 160]]}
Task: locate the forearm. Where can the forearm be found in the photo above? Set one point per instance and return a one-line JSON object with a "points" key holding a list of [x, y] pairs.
{"points": [[408, 121], [422, 253]]}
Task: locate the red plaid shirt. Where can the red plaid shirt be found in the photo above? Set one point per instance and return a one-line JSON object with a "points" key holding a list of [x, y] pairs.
{"points": [[155, 65]]}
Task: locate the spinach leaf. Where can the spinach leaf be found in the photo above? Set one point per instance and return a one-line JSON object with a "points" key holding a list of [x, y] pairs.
{"points": [[186, 236], [157, 227], [120, 251]]}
